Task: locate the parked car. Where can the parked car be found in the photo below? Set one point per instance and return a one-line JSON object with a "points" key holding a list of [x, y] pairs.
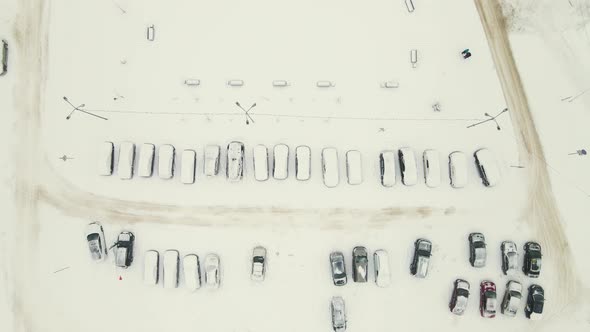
{"points": [[532, 259], [431, 168], [387, 168], [487, 167], [422, 253], [280, 165], [509, 257], [124, 249], [188, 166], [458, 169], [4, 58], [166, 156], [512, 297], [354, 167], [381, 266], [535, 302], [303, 163], [96, 242], [260, 153], [338, 268], [126, 160], [212, 271], [151, 268], [487, 299], [192, 272], [338, 311], [171, 262], [146, 160], [407, 166], [235, 161], [105, 158], [258, 263], [360, 264], [211, 165], [460, 297], [330, 168], [477, 250]]}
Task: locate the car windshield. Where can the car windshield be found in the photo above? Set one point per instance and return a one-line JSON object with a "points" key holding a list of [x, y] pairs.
{"points": [[490, 295], [424, 253], [258, 259], [478, 245], [462, 292], [92, 237]]}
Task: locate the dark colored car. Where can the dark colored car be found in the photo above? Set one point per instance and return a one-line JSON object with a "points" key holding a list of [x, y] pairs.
{"points": [[532, 259], [124, 249], [338, 268], [535, 302], [360, 264], [459, 297], [488, 302], [422, 253]]}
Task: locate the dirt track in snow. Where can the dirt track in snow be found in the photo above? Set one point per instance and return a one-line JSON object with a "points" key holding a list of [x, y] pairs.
{"points": [[541, 212]]}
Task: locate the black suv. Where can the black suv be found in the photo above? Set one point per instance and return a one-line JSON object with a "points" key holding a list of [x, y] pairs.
{"points": [[124, 249], [532, 259], [534, 303]]}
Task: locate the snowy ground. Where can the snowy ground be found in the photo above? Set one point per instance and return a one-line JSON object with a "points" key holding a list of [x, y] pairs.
{"points": [[97, 52]]}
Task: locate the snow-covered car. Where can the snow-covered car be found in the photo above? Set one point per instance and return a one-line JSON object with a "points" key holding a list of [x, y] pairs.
{"points": [[477, 250], [535, 302], [487, 299], [532, 259], [4, 58], [422, 253], [512, 298], [235, 161], [360, 264], [96, 242], [260, 153], [211, 165], [170, 271], [381, 268], [460, 297], [354, 167], [105, 158], [387, 168], [487, 167], [212, 271], [458, 169], [509, 257], [126, 160], [280, 169], [431, 168], [145, 164], [407, 166], [330, 168], [303, 163], [124, 249], [188, 166], [192, 272], [151, 268], [338, 268], [258, 263], [166, 158], [338, 311]]}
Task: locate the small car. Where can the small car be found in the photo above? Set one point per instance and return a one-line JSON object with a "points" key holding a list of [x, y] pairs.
{"points": [[235, 161], [512, 298], [166, 154], [303, 163], [212, 271], [407, 166], [487, 299], [280, 168], [487, 167], [431, 168], [422, 253], [191, 268], [458, 169], [532, 259], [126, 160], [354, 167], [145, 164], [330, 169], [96, 242], [170, 271], [360, 264], [387, 168], [4, 58], [105, 158], [124, 249], [338, 268], [381, 266], [338, 310], [477, 250], [535, 302], [151, 268], [460, 297], [188, 166], [509, 257], [260, 153], [211, 165], [258, 263]]}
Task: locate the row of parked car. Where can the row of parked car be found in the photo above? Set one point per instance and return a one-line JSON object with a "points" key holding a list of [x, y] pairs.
{"points": [[360, 262], [235, 153], [98, 247], [488, 302]]}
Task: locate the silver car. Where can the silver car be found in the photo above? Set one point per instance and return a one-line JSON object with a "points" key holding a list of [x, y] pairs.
{"points": [[235, 161], [509, 257], [422, 253], [338, 268], [460, 297], [360, 264], [338, 311], [258, 263], [96, 242], [512, 298], [212, 271], [477, 250]]}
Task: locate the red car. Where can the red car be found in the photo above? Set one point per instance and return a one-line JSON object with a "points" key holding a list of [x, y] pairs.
{"points": [[487, 299]]}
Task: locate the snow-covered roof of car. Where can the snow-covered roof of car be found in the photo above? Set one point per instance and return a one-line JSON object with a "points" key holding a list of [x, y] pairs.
{"points": [[487, 161]]}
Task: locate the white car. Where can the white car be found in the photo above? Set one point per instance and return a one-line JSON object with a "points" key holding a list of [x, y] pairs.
{"points": [[166, 154], [302, 163], [487, 167], [330, 169], [354, 167], [105, 158], [146, 160], [381, 266], [151, 268], [96, 241], [431, 168], [188, 166], [171, 260], [338, 312], [191, 272], [235, 161], [258, 263], [512, 298], [458, 169], [126, 160], [212, 271], [387, 168], [509, 257], [280, 170], [260, 163], [211, 167], [407, 165]]}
